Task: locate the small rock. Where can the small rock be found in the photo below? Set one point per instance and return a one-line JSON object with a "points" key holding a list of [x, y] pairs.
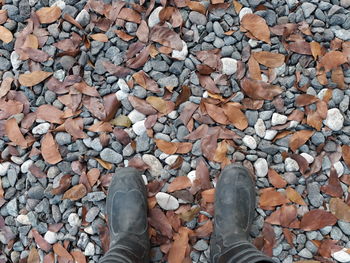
{"points": [[89, 250], [4, 64], [345, 3], [12, 208], [139, 127], [343, 34], [308, 157], [260, 128], [171, 159], [192, 176], [83, 18], [36, 192], [41, 128], [244, 11], [308, 9], [153, 18], [261, 167], [197, 18], [338, 166], [334, 120], [4, 168], [201, 245], [136, 116], [26, 165], [180, 54], [291, 165], [249, 141], [15, 61], [166, 201], [111, 156], [23, 219], [121, 95], [74, 220], [229, 66], [91, 214], [305, 253], [123, 85], [278, 119], [314, 195], [170, 81], [50, 237], [155, 165], [341, 256]]}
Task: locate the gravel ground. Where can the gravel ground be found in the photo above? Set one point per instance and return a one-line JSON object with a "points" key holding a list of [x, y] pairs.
{"points": [[63, 136]]}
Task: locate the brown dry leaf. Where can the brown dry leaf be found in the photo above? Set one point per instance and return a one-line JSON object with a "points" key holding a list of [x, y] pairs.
{"points": [[332, 60], [71, 20], [340, 209], [140, 59], [299, 138], [33, 256], [178, 249], [118, 71], [75, 128], [5, 35], [130, 15], [235, 116], [40, 241], [62, 252], [324, 218], [78, 256], [159, 221], [124, 36], [237, 6], [202, 174], [104, 164], [269, 59], [346, 154], [270, 197], [158, 103], [145, 81], [305, 99], [99, 37], [93, 176], [300, 47], [33, 78], [14, 133], [166, 147], [208, 83], [288, 236], [216, 113], [142, 105], [48, 15], [142, 32], [75, 193], [220, 155], [294, 196], [257, 26], [179, 183], [333, 188], [3, 16], [101, 126], [338, 77], [64, 184], [205, 230], [254, 69], [171, 14], [196, 6], [260, 90], [49, 113], [307, 261], [316, 49], [183, 96], [288, 215], [49, 149], [275, 179], [183, 147], [166, 36], [5, 86]]}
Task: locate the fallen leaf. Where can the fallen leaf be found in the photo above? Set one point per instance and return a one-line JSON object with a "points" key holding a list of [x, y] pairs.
{"points": [[178, 249], [36, 171], [179, 183], [196, 6], [75, 193], [300, 47], [235, 116], [142, 105], [208, 83], [130, 15], [166, 36], [237, 6], [33, 256], [171, 14], [269, 59], [78, 256], [257, 26], [71, 20], [62, 252], [64, 184], [216, 113], [115, 70], [5, 35], [338, 77], [75, 128], [140, 59], [33, 78], [205, 230], [104, 164], [124, 36], [40, 241], [49, 149], [254, 69], [288, 236], [324, 218], [270, 197], [14, 133], [346, 154], [183, 147], [166, 147], [299, 138], [146, 82], [202, 174], [158, 103], [99, 37], [122, 121], [143, 32], [3, 16], [104, 237], [183, 96], [332, 60], [48, 15], [275, 179], [159, 221], [294, 196], [316, 49], [220, 155], [5, 86], [305, 99], [101, 126], [122, 136], [339, 209], [49, 113], [333, 188], [260, 90]]}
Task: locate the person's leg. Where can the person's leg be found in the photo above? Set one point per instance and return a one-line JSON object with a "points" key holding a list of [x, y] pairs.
{"points": [[126, 209], [234, 212]]}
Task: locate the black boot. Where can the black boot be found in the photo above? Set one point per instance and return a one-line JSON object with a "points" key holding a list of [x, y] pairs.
{"points": [[234, 213], [126, 209]]}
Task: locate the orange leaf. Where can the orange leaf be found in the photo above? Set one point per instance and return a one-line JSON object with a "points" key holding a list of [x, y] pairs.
{"points": [[235, 116], [332, 60], [121, 34], [33, 256], [166, 147], [49, 113], [299, 138], [183, 147], [338, 77], [48, 15], [257, 26], [62, 252], [305, 99], [216, 113], [316, 49], [196, 6], [294, 196], [346, 154], [5, 35], [14, 133], [275, 179], [93, 176], [340, 209], [269, 59], [237, 6], [75, 193], [49, 149], [179, 183], [33, 78], [221, 153], [208, 195], [78, 256], [99, 37], [104, 164], [270, 197], [178, 249], [317, 219]]}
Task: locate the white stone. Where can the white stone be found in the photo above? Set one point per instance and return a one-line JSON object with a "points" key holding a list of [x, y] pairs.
{"points": [[244, 11], [264, 78], [180, 54], [260, 128], [41, 128], [50, 237], [145, 180], [166, 201], [17, 160], [253, 43], [249, 141], [89, 249], [343, 34], [163, 156], [261, 167], [61, 4], [89, 230], [156, 167], [26, 165], [59, 74], [123, 85], [192, 176], [334, 120], [229, 66], [308, 157], [4, 168], [33, 2], [322, 93], [338, 166], [153, 18], [15, 61], [293, 124], [171, 159], [139, 127], [341, 256], [74, 220], [291, 165], [136, 116], [270, 134], [278, 119], [205, 94], [173, 115], [23, 219], [121, 95]]}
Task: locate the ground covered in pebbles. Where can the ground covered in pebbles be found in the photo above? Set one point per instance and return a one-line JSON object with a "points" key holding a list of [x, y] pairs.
{"points": [[178, 89]]}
